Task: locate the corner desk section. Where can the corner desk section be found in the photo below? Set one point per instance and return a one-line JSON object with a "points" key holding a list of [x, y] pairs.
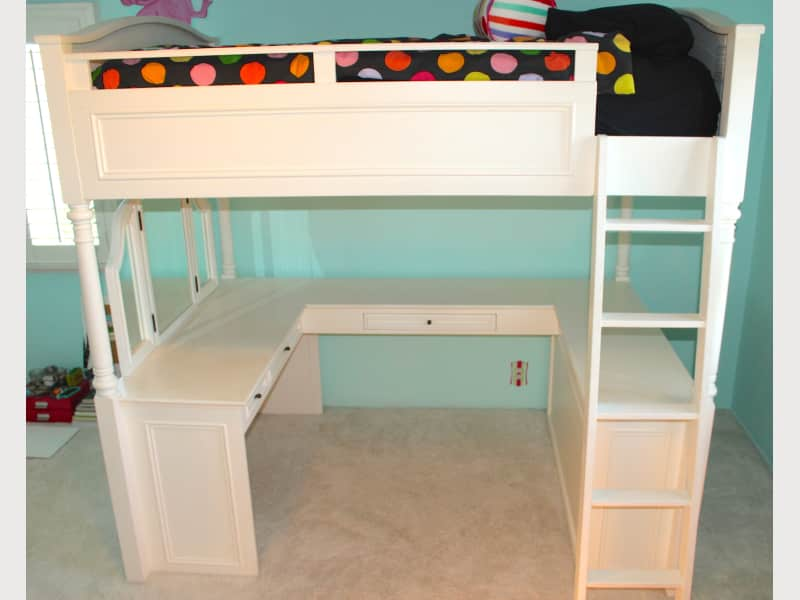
{"points": [[186, 409]]}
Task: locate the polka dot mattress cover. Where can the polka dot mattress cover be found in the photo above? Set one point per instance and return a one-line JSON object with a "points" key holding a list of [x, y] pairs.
{"points": [[351, 66]]}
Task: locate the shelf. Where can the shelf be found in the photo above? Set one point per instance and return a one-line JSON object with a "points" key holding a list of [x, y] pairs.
{"points": [[615, 498], [634, 578], [652, 320], [657, 225], [631, 411]]}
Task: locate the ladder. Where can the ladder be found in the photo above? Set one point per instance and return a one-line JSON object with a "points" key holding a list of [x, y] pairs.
{"points": [[696, 417]]}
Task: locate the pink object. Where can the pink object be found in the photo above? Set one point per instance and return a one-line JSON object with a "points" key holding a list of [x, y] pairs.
{"points": [[346, 59], [423, 76], [503, 63], [181, 10], [203, 74]]}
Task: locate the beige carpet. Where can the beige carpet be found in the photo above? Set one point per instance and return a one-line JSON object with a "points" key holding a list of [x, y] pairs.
{"points": [[44, 440], [392, 504]]}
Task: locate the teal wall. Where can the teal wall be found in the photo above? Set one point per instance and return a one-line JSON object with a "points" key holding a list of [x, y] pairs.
{"points": [[408, 371], [390, 237], [54, 326], [753, 392]]}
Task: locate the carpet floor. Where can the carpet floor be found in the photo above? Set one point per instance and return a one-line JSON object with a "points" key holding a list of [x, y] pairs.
{"points": [[363, 504]]}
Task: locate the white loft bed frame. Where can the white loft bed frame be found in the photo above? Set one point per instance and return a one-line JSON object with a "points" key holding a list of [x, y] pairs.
{"points": [[631, 435]]}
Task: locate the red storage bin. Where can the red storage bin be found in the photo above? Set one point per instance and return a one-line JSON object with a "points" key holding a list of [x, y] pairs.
{"points": [[49, 415], [49, 408]]}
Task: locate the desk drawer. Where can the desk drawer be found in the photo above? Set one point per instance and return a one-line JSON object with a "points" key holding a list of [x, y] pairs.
{"points": [[426, 322]]}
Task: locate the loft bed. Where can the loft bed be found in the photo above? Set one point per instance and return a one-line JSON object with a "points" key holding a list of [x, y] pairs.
{"points": [[629, 425]]}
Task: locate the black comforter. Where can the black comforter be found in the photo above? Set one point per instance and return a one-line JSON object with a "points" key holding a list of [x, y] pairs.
{"points": [[675, 93]]}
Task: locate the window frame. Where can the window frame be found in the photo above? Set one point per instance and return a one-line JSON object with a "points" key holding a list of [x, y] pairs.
{"points": [[55, 18]]}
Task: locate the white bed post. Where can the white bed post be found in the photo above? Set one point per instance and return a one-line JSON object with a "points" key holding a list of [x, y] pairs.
{"points": [[623, 272], [113, 437], [722, 209], [226, 239]]}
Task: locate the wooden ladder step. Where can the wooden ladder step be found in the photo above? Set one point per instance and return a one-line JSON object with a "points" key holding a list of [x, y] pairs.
{"points": [[652, 320], [618, 498], [646, 411], [658, 225], [634, 579]]}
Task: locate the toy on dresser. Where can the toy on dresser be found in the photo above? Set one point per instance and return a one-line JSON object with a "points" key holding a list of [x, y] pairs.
{"points": [[53, 393]]}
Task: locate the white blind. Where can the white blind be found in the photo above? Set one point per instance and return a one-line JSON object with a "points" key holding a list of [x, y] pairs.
{"points": [[46, 211]]}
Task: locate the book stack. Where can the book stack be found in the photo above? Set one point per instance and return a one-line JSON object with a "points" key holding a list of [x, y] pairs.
{"points": [[85, 410]]}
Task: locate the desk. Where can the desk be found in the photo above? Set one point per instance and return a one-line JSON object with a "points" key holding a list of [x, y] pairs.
{"points": [[185, 411]]}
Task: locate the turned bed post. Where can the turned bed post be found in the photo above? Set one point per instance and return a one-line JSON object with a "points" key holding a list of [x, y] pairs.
{"points": [[113, 436]]}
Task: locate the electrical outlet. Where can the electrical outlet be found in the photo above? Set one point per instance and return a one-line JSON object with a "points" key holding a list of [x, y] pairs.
{"points": [[519, 373]]}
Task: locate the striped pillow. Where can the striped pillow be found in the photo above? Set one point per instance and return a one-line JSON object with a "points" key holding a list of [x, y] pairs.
{"points": [[503, 20]]}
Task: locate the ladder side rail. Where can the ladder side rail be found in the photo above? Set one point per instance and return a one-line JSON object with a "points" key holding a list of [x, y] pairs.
{"points": [[699, 437], [599, 217]]}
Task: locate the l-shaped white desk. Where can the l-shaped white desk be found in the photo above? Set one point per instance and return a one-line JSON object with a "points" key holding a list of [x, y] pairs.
{"points": [[188, 406]]}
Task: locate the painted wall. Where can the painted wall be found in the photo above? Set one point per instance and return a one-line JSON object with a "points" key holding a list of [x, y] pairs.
{"points": [[753, 393], [460, 238], [54, 327], [500, 237]]}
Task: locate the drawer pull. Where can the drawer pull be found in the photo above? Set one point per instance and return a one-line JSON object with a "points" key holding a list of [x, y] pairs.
{"points": [[430, 322]]}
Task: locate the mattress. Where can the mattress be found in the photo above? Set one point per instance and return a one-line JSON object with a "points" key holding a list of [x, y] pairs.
{"points": [[672, 96], [235, 68]]}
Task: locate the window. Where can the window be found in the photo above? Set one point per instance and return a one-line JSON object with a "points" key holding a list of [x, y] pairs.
{"points": [[50, 243]]}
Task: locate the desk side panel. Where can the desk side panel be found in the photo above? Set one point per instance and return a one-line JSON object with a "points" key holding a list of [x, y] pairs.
{"points": [[191, 469], [567, 423]]}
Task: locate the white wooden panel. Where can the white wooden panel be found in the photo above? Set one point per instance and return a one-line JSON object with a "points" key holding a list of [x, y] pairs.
{"points": [[566, 421], [639, 579], [632, 538], [298, 390], [639, 499], [658, 166], [276, 365], [633, 455], [383, 320], [191, 471], [352, 139], [279, 143], [421, 322], [637, 456]]}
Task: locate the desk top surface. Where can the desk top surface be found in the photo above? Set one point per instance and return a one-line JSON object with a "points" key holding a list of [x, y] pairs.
{"points": [[220, 352]]}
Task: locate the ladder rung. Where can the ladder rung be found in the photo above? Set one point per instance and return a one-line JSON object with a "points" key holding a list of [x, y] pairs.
{"points": [[632, 411], [634, 578], [615, 498], [653, 320], [658, 225]]}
